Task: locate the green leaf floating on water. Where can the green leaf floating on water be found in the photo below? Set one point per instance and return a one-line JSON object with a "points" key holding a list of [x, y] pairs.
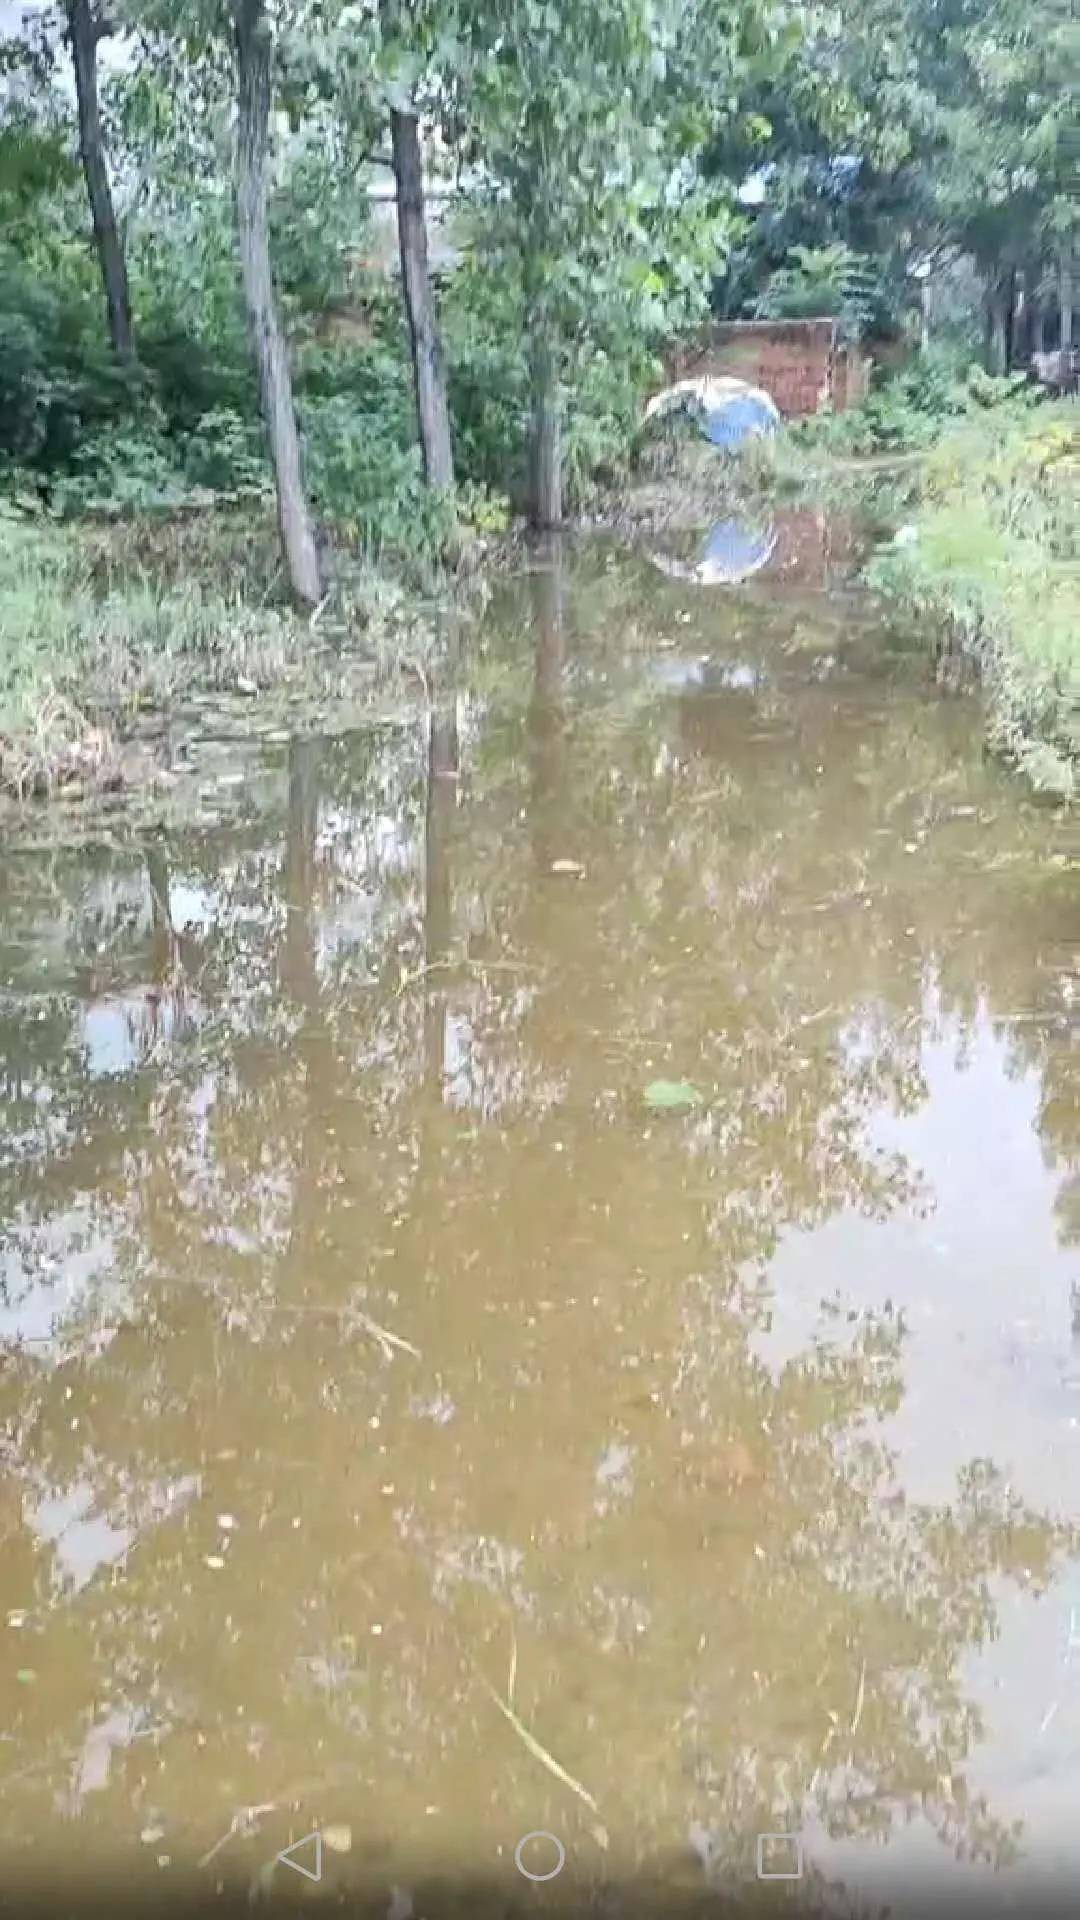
{"points": [[26, 1676], [671, 1093]]}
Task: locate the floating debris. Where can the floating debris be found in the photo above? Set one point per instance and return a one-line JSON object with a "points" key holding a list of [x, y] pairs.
{"points": [[338, 1837], [671, 1094]]}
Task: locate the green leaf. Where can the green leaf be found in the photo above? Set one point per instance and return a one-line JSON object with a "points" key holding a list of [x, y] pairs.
{"points": [[26, 1676], [661, 1094]]}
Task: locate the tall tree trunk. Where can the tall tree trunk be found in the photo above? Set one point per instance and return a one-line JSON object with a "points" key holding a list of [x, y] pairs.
{"points": [[268, 341], [84, 32], [429, 368], [1065, 296], [545, 454]]}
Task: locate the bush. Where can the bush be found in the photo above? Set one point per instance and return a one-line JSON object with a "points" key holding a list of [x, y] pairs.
{"points": [[906, 411], [228, 454], [488, 385], [365, 482], [490, 405], [193, 376], [127, 468], [57, 375]]}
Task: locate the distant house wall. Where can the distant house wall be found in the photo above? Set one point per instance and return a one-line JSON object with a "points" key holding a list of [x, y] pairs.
{"points": [[801, 363], [381, 249]]}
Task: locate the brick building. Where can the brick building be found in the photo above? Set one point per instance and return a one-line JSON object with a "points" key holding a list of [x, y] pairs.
{"points": [[803, 364]]}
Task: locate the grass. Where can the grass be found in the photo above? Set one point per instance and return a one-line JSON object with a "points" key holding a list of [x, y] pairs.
{"points": [[677, 482], [81, 652], [986, 478], [991, 557], [101, 623]]}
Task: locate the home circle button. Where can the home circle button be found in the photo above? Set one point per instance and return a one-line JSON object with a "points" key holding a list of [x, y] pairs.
{"points": [[560, 1852]]}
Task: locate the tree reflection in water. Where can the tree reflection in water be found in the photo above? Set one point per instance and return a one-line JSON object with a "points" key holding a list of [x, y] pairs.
{"points": [[378, 1253]]}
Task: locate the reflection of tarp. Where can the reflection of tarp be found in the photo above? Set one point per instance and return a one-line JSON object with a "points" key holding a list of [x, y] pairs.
{"points": [[707, 675], [732, 552], [728, 411]]}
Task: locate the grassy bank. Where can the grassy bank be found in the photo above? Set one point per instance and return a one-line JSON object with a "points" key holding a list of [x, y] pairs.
{"points": [[990, 561], [106, 626], [982, 477], [109, 621]]}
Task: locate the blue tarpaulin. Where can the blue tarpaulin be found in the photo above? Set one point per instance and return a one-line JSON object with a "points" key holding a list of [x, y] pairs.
{"points": [[728, 423], [727, 410]]}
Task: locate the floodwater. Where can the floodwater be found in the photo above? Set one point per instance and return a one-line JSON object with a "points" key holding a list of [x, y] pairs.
{"points": [[540, 1291]]}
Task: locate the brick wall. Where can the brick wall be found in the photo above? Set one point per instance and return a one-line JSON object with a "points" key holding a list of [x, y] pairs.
{"points": [[799, 362]]}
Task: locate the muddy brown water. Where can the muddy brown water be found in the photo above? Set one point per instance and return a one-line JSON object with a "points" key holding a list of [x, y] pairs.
{"points": [[414, 1430]]}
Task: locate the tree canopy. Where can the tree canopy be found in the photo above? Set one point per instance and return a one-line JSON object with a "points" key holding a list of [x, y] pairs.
{"points": [[602, 172]]}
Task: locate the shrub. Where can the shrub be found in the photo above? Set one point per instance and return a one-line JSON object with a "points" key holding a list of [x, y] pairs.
{"points": [[57, 376], [121, 469], [227, 453], [365, 482]]}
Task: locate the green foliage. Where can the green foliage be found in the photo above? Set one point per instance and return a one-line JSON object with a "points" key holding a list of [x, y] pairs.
{"points": [[319, 223], [488, 376], [914, 132], [589, 215], [34, 161], [57, 377], [829, 282], [489, 400], [362, 461], [121, 468], [364, 481], [991, 559], [225, 453], [485, 512], [191, 373], [137, 466], [906, 411]]}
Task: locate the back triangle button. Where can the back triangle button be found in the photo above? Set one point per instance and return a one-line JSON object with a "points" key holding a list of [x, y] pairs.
{"points": [[311, 1845]]}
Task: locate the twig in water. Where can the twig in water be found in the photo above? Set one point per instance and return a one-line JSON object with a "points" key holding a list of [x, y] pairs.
{"points": [[539, 1752], [387, 1340], [859, 1698], [413, 979], [242, 1822], [450, 965]]}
